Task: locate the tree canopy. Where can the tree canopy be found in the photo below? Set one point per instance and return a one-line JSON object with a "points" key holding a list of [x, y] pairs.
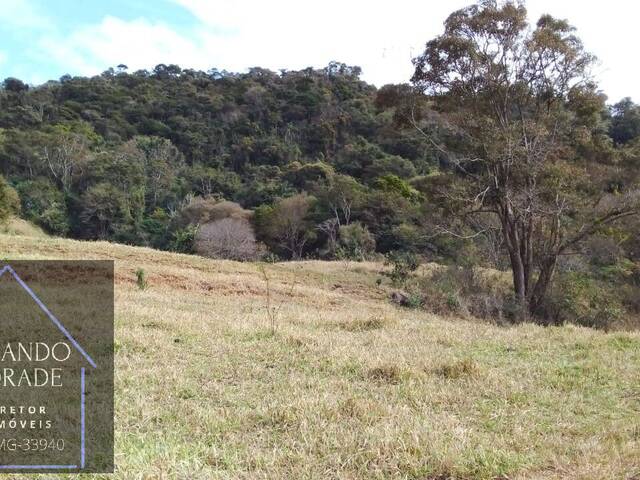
{"points": [[519, 108]]}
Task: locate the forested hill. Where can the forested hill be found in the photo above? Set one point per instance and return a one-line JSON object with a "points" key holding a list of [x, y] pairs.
{"points": [[116, 155], [316, 162]]}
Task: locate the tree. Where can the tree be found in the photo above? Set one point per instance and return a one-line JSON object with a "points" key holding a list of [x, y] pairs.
{"points": [[625, 121], [393, 183], [338, 196], [102, 213], [509, 95], [356, 242], [161, 163], [288, 225], [207, 181], [302, 176], [341, 195], [229, 238], [14, 85], [66, 155], [123, 169]]}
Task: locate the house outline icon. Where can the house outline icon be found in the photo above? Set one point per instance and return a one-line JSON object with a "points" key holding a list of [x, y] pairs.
{"points": [[87, 357]]}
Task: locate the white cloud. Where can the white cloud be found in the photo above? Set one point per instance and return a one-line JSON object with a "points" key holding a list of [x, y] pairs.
{"points": [[138, 44], [22, 14], [379, 36], [382, 37], [238, 35]]}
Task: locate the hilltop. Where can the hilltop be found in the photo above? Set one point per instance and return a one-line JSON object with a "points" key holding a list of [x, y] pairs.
{"points": [[338, 382]]}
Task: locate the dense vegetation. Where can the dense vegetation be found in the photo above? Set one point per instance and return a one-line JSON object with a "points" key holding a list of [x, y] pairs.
{"points": [[120, 155], [317, 163]]}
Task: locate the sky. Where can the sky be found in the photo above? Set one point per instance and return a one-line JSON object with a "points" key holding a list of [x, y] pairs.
{"points": [[45, 39]]}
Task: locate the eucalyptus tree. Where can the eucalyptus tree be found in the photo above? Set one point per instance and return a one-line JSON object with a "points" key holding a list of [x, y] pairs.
{"points": [[515, 102]]}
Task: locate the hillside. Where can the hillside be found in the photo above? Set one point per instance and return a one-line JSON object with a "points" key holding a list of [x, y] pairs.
{"points": [[116, 155], [18, 226], [340, 383], [318, 164]]}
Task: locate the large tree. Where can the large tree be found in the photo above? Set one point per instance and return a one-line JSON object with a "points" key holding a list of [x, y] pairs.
{"points": [[516, 101]]}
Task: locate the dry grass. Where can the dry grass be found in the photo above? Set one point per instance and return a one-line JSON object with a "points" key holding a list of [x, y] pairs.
{"points": [[20, 227], [348, 386]]}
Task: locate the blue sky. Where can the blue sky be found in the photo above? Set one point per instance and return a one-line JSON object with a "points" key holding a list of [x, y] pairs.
{"points": [[44, 39]]}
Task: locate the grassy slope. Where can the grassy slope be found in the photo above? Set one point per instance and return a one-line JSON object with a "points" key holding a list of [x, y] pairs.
{"points": [[18, 226], [349, 386]]}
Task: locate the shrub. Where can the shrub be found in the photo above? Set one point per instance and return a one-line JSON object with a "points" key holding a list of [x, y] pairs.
{"points": [[403, 263], [141, 279], [414, 300], [394, 184], [182, 240], [603, 251], [9, 201], [201, 210], [466, 291], [301, 176], [228, 238], [44, 204], [355, 242], [195, 213], [581, 299]]}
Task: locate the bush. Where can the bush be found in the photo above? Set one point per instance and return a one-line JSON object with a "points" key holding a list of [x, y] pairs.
{"points": [[201, 210], [9, 201], [229, 238], [603, 251], [43, 204], [198, 212], [355, 242], [579, 298], [302, 176], [403, 263], [141, 279], [183, 239], [394, 184], [466, 291]]}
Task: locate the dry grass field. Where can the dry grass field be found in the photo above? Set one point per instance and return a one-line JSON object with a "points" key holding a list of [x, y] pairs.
{"points": [[18, 226], [306, 370]]}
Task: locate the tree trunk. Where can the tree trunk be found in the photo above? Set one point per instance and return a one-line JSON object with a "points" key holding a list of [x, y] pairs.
{"points": [[542, 284], [518, 254], [519, 283]]}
